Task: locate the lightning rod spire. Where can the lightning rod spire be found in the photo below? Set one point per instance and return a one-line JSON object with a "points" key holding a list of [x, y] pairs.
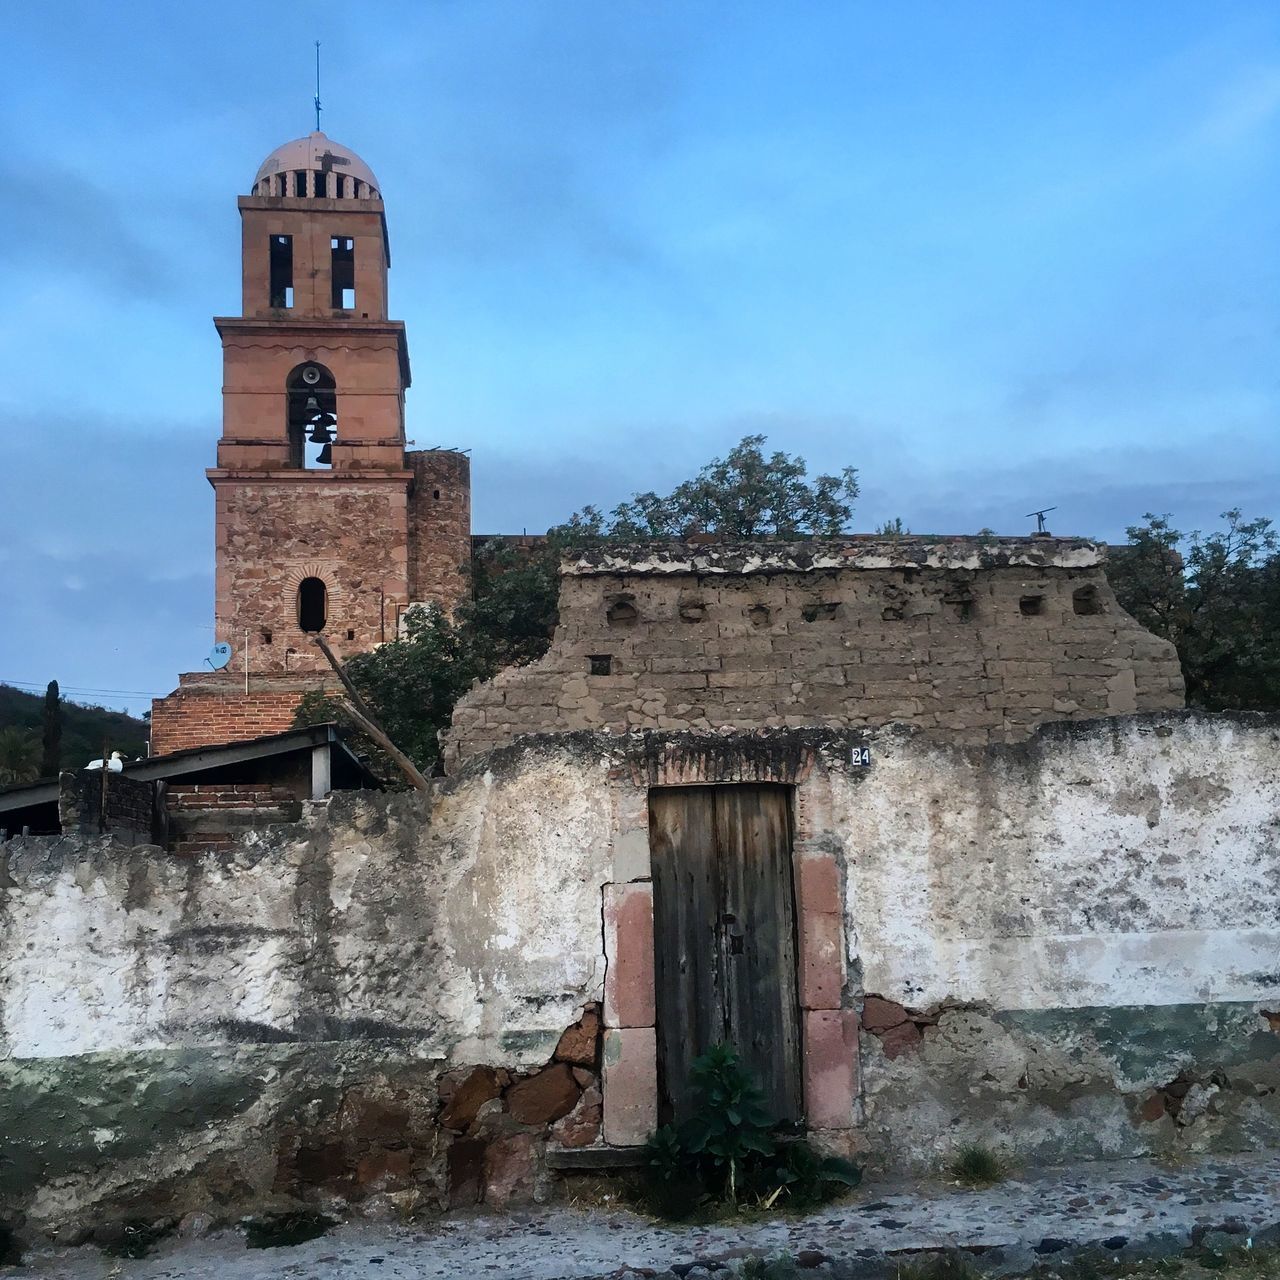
{"points": [[317, 97]]}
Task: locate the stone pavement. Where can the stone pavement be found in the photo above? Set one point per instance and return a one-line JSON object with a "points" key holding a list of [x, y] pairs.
{"points": [[1129, 1208]]}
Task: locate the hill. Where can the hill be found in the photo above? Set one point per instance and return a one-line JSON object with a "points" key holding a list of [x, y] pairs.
{"points": [[84, 728]]}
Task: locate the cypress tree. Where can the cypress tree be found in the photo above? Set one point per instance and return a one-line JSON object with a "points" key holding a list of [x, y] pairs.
{"points": [[51, 755]]}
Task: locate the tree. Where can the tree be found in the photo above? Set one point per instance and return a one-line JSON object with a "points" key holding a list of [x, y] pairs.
{"points": [[742, 495], [1216, 596], [19, 756], [411, 684], [893, 529], [51, 735]]}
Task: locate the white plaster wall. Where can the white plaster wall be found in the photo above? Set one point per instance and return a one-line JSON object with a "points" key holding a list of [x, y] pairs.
{"points": [[1125, 862], [470, 931]]}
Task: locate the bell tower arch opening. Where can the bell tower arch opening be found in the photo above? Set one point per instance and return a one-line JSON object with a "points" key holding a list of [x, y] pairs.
{"points": [[311, 393]]}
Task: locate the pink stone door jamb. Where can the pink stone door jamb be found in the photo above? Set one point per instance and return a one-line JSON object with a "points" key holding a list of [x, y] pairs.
{"points": [[829, 1046]]}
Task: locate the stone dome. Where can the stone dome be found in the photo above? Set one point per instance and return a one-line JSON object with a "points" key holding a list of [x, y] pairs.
{"points": [[328, 171]]}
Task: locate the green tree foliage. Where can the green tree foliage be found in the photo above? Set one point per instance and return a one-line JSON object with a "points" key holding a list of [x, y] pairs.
{"points": [[742, 495], [83, 728], [19, 756], [412, 683], [893, 529], [1216, 596]]}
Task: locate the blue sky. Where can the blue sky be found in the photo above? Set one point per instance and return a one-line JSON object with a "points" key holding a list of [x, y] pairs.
{"points": [[995, 255]]}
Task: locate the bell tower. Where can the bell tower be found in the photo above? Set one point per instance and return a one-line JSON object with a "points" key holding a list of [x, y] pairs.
{"points": [[324, 523], [311, 480]]}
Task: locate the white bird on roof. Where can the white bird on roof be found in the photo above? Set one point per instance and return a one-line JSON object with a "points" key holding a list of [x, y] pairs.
{"points": [[114, 765]]}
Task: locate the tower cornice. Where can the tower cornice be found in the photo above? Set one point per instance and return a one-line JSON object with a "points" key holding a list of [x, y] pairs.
{"points": [[321, 328]]}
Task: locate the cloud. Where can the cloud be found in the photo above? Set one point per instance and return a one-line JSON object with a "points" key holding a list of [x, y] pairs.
{"points": [[1098, 491], [96, 483], [1244, 106], [69, 225]]}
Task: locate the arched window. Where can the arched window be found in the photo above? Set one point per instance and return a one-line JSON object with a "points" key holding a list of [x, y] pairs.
{"points": [[313, 604], [312, 397]]}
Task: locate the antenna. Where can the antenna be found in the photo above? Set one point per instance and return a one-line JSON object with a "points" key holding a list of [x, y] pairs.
{"points": [[219, 656], [1040, 515], [317, 99]]}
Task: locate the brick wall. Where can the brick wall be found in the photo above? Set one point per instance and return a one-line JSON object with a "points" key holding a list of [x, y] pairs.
{"points": [[204, 816], [973, 641], [201, 717]]}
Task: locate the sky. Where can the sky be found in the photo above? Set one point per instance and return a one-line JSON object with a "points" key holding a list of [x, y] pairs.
{"points": [[997, 255]]}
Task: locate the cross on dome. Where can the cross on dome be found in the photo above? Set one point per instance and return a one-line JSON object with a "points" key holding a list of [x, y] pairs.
{"points": [[317, 167]]}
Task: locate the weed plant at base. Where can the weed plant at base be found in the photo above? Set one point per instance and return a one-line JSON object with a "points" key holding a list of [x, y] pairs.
{"points": [[727, 1155]]}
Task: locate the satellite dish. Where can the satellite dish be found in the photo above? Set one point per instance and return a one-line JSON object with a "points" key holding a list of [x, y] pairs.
{"points": [[311, 375], [219, 656]]}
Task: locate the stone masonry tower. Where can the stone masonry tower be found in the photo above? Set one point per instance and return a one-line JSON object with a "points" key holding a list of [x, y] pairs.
{"points": [[324, 523]]}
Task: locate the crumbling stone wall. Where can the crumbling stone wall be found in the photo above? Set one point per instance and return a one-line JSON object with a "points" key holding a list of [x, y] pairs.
{"points": [[973, 641], [439, 526], [1063, 947], [125, 807]]}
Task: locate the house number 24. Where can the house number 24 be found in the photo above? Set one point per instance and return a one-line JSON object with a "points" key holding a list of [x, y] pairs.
{"points": [[861, 757]]}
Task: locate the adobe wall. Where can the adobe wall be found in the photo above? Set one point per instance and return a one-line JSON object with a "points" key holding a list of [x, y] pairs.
{"points": [[970, 640], [1065, 947]]}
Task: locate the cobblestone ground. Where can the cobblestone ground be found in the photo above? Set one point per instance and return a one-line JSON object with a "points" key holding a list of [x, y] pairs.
{"points": [[1125, 1209]]}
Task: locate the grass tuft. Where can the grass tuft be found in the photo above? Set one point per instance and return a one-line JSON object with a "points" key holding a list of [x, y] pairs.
{"points": [[758, 1267], [950, 1265], [976, 1166]]}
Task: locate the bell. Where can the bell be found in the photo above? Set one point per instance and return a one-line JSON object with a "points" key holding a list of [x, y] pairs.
{"points": [[311, 408], [322, 429], [325, 457]]}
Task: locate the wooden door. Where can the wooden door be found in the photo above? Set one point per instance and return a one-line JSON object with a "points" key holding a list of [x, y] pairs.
{"points": [[724, 937]]}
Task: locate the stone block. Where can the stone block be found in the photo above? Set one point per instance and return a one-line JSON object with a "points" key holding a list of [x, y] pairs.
{"points": [[544, 1097], [579, 1044], [905, 1038], [879, 1014], [818, 874], [468, 1097], [822, 968], [581, 1127], [628, 944], [630, 1085], [465, 1165], [830, 1067], [510, 1165]]}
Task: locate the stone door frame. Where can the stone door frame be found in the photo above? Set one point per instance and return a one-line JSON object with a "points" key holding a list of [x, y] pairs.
{"points": [[829, 1020]]}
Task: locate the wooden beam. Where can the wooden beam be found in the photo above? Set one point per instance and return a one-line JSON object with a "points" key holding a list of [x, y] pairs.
{"points": [[364, 719]]}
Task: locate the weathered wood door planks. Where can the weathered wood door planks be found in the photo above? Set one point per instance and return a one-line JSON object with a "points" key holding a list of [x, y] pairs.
{"points": [[724, 937]]}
